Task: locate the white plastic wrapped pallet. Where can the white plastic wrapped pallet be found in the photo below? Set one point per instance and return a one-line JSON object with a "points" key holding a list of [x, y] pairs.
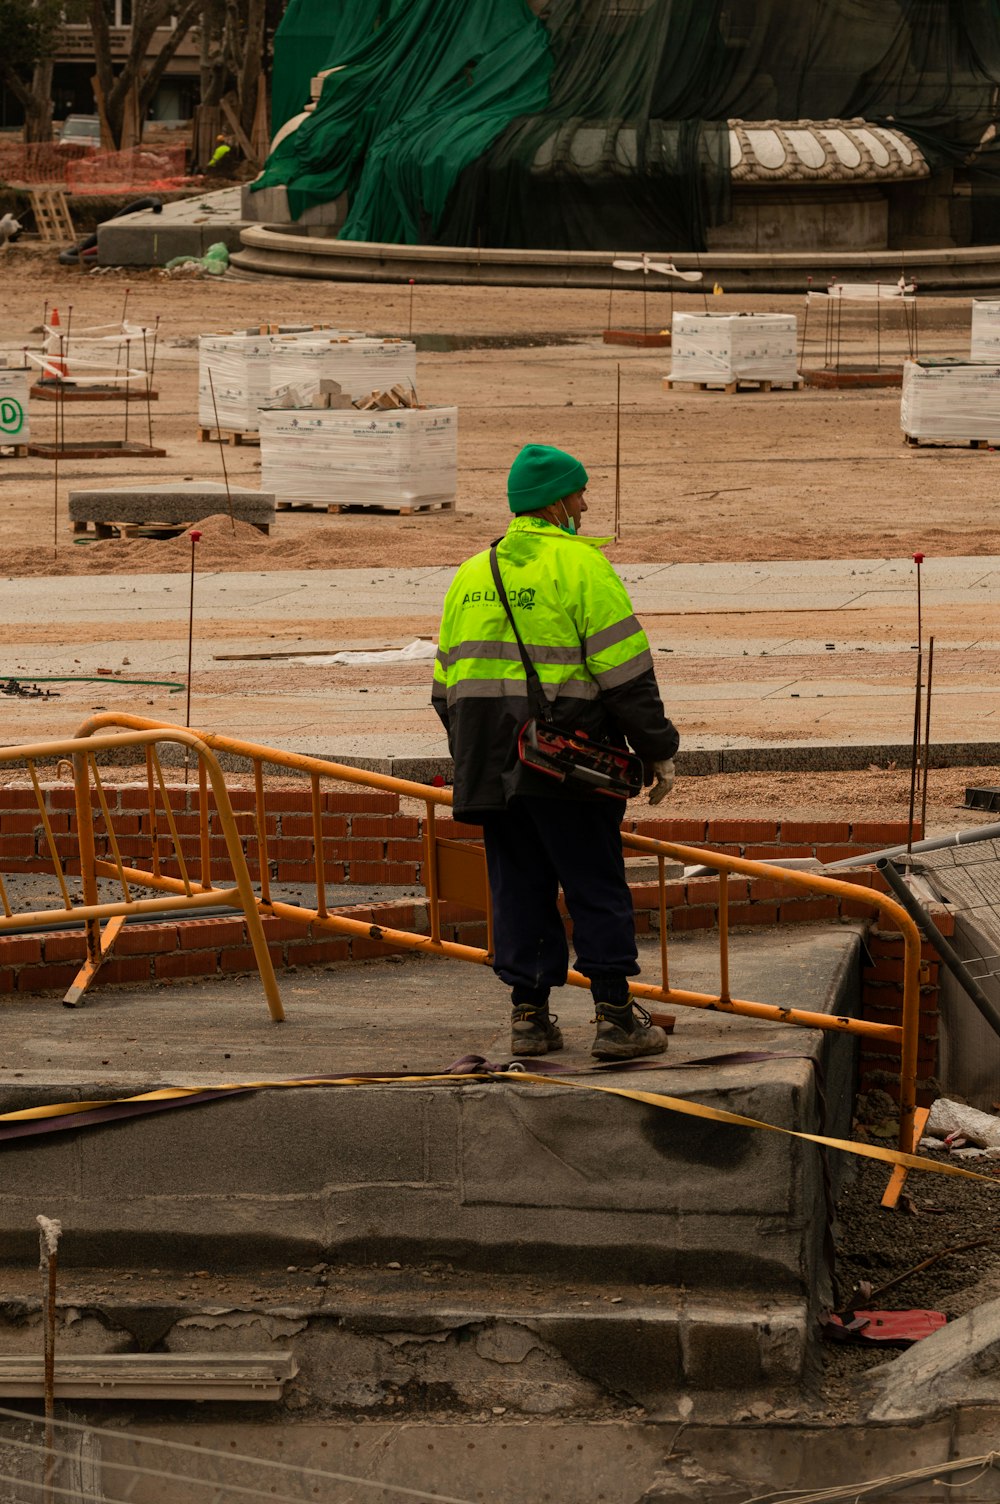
{"points": [[240, 364], [398, 459], [14, 424], [360, 366], [952, 401], [985, 330], [724, 347]]}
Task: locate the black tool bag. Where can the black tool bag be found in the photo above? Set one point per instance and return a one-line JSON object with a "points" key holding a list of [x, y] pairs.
{"points": [[572, 758]]}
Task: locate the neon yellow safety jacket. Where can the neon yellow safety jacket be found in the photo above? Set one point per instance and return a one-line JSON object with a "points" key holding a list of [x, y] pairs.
{"points": [[581, 634]]}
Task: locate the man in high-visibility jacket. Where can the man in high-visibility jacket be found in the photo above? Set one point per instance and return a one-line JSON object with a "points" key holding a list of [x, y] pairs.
{"points": [[577, 624], [222, 157]]}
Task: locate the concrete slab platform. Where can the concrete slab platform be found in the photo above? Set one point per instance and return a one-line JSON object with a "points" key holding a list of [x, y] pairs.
{"points": [[540, 1248], [186, 227], [177, 501], [498, 1176]]}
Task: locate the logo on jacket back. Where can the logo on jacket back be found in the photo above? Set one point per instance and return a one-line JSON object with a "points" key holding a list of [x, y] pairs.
{"points": [[525, 599]]}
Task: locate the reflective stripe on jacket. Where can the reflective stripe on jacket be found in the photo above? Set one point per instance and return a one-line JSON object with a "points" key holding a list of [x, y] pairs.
{"points": [[577, 623]]}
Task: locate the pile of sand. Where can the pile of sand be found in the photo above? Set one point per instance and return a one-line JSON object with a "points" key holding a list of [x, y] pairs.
{"points": [[224, 544], [342, 542]]}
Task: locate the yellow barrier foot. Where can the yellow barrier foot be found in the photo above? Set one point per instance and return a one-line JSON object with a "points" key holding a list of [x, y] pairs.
{"points": [[897, 1179], [75, 996]]}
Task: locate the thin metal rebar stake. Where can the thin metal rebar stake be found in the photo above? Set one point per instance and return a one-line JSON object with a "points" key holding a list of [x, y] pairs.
{"points": [[916, 745], [225, 472], [195, 536]]}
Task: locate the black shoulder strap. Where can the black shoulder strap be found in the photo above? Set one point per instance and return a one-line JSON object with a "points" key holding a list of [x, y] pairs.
{"points": [[536, 695]]}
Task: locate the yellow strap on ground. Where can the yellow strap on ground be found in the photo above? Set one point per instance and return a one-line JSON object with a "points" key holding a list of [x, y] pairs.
{"points": [[514, 1078]]}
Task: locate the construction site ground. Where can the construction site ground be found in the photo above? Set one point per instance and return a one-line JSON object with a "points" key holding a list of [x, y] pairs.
{"points": [[766, 538]]}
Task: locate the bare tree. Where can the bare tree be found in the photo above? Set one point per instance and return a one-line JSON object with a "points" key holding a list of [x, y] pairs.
{"points": [[137, 71], [29, 32], [233, 57]]}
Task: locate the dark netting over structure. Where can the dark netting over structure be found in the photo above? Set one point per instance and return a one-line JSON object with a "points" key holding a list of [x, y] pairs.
{"points": [[599, 124]]}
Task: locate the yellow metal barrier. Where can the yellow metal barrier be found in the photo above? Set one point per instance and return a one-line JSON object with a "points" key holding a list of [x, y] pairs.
{"points": [[456, 870], [453, 871], [90, 802]]}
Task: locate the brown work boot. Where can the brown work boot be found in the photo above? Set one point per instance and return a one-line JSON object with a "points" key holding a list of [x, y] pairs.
{"points": [[533, 1030], [625, 1033]]}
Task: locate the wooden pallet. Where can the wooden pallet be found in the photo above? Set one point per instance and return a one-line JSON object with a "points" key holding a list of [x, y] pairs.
{"points": [[638, 338], [375, 508], [99, 449], [234, 437], [53, 220], [13, 451], [950, 443], [65, 391], [82, 530], [741, 384]]}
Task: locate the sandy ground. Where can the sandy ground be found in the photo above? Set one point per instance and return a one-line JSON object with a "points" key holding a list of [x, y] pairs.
{"points": [[704, 476]]}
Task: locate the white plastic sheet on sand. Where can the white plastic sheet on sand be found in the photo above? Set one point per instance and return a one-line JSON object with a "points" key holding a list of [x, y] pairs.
{"points": [[420, 650], [723, 347]]}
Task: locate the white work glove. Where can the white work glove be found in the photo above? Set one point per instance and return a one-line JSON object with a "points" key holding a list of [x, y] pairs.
{"points": [[663, 780]]}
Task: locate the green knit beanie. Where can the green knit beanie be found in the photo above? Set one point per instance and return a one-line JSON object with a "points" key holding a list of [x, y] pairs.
{"points": [[542, 475]]}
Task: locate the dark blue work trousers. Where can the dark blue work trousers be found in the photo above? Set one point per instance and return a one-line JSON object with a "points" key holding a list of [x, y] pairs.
{"points": [[533, 847]]}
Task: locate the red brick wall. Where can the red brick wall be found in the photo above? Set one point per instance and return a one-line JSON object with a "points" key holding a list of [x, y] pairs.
{"points": [[350, 822], [882, 1003], [367, 839]]}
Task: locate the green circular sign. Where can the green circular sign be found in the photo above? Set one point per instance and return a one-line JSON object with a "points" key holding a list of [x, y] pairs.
{"points": [[11, 415]]}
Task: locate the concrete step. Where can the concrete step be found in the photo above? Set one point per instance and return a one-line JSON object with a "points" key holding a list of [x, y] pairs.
{"points": [[542, 1183], [408, 1339]]}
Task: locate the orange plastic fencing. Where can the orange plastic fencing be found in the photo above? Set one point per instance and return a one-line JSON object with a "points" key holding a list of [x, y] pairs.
{"points": [[160, 167], [37, 164]]}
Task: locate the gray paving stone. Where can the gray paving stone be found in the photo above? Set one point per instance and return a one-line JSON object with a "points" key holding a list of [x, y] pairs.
{"points": [[173, 501]]}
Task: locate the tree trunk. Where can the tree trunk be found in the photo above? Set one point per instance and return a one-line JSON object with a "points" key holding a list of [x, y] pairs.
{"points": [[35, 99], [250, 63], [38, 113], [104, 72], [147, 17], [185, 16]]}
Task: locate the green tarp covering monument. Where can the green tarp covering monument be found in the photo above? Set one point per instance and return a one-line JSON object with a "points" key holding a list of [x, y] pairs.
{"points": [[598, 124]]}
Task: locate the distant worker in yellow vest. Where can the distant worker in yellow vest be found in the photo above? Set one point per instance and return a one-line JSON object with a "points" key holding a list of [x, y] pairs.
{"points": [[220, 159]]}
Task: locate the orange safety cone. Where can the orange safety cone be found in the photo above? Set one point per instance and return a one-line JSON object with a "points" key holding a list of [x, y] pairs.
{"points": [[56, 368]]}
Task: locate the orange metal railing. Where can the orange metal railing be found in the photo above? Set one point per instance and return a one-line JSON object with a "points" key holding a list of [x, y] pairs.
{"points": [[456, 871], [93, 816]]}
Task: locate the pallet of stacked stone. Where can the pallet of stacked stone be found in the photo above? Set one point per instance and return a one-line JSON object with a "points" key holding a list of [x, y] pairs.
{"points": [[359, 364], [392, 458], [950, 402], [14, 425], [733, 350], [985, 330], [235, 377]]}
